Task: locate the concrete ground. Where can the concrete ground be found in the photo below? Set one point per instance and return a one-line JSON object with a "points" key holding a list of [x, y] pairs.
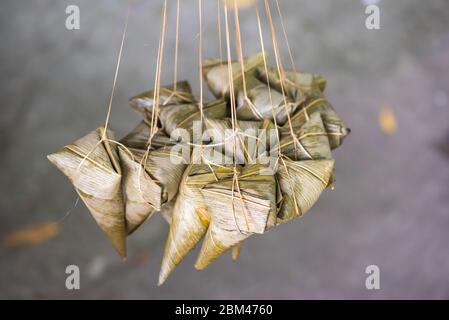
{"points": [[391, 204]]}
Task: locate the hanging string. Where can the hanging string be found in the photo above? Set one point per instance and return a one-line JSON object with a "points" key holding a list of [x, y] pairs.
{"points": [[230, 75], [175, 74], [280, 155], [232, 103], [114, 83], [292, 61], [281, 77], [284, 31], [242, 64], [220, 41], [238, 40], [155, 110], [262, 45], [157, 82], [67, 214], [103, 136], [200, 57]]}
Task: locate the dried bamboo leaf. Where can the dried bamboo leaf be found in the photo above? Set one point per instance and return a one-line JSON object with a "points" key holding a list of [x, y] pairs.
{"points": [[148, 184], [175, 117], [239, 208], [334, 125], [216, 74], [143, 102], [302, 182], [310, 141], [92, 165], [260, 103], [219, 133], [191, 216], [138, 138], [295, 84]]}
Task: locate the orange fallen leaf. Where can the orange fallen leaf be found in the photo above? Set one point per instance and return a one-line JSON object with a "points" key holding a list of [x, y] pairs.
{"points": [[387, 120], [32, 235]]}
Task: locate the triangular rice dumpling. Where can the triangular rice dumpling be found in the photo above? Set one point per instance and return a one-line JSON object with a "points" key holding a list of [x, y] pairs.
{"points": [[251, 138], [334, 125], [191, 216], [301, 183], [149, 182], [216, 74], [144, 102], [139, 137], [310, 141], [296, 84], [239, 208], [182, 116], [92, 165], [258, 104]]}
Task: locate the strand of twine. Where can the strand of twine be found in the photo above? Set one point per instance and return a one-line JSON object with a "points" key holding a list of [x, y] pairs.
{"points": [[103, 136], [154, 112], [281, 73], [240, 51], [289, 49], [220, 36], [67, 214], [280, 155], [200, 65], [233, 107]]}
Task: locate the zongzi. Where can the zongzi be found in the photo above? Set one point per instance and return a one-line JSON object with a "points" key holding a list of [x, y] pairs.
{"points": [[92, 165], [239, 207]]}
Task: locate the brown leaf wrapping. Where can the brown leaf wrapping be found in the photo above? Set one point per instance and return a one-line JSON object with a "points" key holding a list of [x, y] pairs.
{"points": [[138, 138], [296, 85], [216, 74], [143, 103], [191, 216], [310, 143], [239, 209], [148, 184], [175, 117], [263, 103], [92, 165], [251, 137], [301, 184], [334, 125]]}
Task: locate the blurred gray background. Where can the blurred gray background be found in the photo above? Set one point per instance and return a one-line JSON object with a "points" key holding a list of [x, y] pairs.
{"points": [[391, 203]]}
